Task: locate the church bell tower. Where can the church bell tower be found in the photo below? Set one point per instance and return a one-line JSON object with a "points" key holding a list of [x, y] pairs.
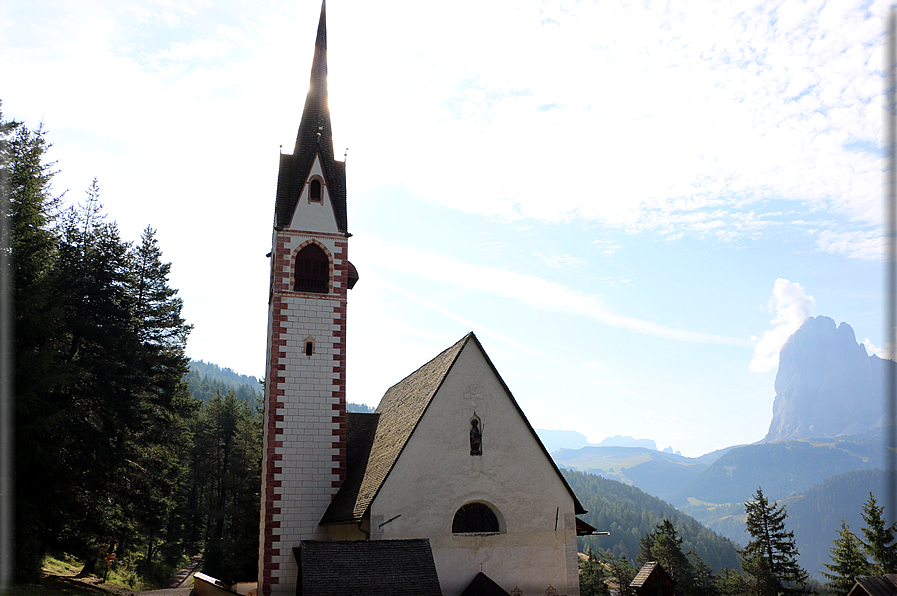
{"points": [[304, 455]]}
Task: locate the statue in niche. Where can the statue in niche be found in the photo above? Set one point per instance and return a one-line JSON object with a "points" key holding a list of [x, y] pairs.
{"points": [[476, 437]]}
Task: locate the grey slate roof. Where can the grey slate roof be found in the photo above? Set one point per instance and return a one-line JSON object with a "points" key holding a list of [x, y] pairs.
{"points": [[399, 413], [875, 585], [294, 168], [366, 568], [482, 585]]}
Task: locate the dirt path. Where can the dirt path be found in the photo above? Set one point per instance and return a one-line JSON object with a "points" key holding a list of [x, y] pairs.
{"points": [[182, 577], [180, 583]]}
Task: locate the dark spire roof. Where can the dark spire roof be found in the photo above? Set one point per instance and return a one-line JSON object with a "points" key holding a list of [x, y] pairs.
{"points": [[314, 138]]}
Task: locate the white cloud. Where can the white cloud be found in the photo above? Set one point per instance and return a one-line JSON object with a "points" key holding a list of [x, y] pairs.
{"points": [[774, 101], [858, 244], [792, 306], [873, 350]]}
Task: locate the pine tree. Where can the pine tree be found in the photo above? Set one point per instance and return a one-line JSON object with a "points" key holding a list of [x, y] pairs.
{"points": [[592, 576], [770, 558], [879, 541], [621, 572], [100, 402], [38, 324], [848, 562], [704, 580], [157, 309], [731, 583], [665, 546]]}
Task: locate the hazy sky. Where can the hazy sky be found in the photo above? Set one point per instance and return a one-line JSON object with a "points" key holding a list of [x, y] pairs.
{"points": [[632, 204]]}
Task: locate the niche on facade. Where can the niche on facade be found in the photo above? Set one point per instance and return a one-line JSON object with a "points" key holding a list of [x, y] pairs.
{"points": [[476, 435]]}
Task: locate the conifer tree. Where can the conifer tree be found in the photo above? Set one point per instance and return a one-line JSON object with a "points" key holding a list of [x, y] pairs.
{"points": [[770, 558], [592, 576], [879, 541], [99, 399], [664, 546], [848, 562], [704, 580], [37, 322], [621, 571], [730, 583]]}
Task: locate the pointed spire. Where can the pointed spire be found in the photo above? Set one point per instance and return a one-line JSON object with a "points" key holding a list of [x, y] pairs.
{"points": [[315, 138], [319, 65], [315, 127]]}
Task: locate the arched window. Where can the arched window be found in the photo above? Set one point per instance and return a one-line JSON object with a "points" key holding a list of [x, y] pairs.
{"points": [[475, 518], [312, 270], [314, 191]]}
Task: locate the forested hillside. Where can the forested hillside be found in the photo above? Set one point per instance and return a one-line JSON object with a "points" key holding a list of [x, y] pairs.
{"points": [[205, 378], [629, 514], [815, 514]]}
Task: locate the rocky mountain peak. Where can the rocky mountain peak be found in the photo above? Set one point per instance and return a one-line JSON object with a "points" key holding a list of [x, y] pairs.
{"points": [[826, 384]]}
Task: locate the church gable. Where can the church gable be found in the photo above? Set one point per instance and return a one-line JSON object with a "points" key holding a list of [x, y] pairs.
{"points": [[474, 478], [473, 444]]}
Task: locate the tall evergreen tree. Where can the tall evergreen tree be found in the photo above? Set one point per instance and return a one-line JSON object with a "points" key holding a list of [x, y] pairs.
{"points": [[848, 562], [879, 541], [592, 576], [99, 399], [621, 571], [665, 546], [770, 558], [38, 324]]}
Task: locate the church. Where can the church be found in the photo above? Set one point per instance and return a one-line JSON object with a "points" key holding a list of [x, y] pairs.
{"points": [[445, 489]]}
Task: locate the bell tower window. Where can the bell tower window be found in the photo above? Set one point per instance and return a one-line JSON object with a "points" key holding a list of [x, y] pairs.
{"points": [[312, 272], [314, 190]]}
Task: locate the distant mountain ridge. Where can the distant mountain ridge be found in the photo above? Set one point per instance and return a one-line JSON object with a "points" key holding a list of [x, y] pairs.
{"points": [[555, 440], [819, 481], [826, 384]]}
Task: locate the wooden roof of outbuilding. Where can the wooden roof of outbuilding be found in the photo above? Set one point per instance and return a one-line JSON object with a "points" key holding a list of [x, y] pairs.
{"points": [[875, 585], [314, 138], [400, 410], [644, 574], [366, 568]]}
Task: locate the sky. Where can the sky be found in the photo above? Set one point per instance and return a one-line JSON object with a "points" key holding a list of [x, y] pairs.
{"points": [[632, 204]]}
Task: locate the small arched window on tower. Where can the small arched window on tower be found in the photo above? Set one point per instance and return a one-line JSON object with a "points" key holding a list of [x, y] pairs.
{"points": [[475, 518], [314, 190], [312, 272]]}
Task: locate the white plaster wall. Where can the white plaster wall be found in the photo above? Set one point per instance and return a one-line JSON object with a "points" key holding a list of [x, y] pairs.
{"points": [[435, 475], [314, 215]]}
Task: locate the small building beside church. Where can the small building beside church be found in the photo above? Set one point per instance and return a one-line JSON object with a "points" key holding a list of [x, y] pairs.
{"points": [[448, 469]]}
